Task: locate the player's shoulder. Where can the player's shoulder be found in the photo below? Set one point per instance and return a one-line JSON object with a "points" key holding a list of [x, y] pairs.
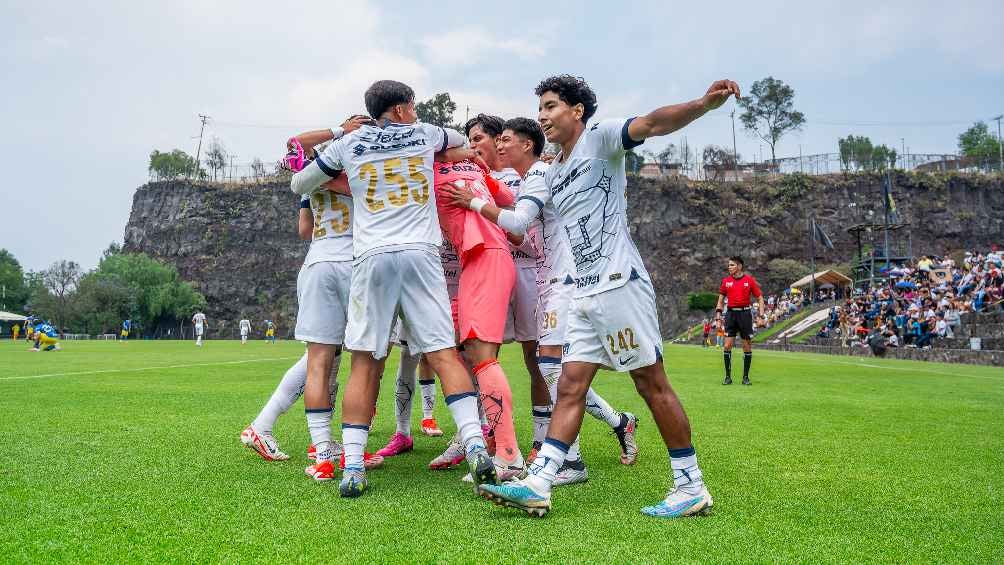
{"points": [[538, 169]]}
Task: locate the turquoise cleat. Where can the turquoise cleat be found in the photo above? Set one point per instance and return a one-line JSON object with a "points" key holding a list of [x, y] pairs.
{"points": [[353, 483], [679, 504], [517, 494]]}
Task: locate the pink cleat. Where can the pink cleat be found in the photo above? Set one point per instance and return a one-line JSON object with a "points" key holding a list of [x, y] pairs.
{"points": [[398, 444]]}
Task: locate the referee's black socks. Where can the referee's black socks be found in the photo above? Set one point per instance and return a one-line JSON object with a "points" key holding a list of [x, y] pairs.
{"points": [[728, 363], [747, 359]]}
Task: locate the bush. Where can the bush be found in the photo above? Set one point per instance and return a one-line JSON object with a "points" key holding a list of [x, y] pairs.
{"points": [[702, 301]]}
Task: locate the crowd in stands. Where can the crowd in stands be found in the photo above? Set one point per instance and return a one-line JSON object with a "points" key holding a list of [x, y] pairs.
{"points": [[919, 303]]}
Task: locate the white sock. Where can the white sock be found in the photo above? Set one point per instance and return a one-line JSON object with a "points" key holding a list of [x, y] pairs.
{"points": [[405, 390], [198, 341], [319, 425], [464, 408], [546, 465], [550, 368], [541, 420], [289, 390], [687, 476], [354, 437], [601, 410], [428, 397]]}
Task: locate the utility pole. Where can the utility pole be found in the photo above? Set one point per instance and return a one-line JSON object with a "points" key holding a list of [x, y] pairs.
{"points": [[902, 140], [467, 114], [198, 152], [232, 157], [735, 154], [1000, 147]]}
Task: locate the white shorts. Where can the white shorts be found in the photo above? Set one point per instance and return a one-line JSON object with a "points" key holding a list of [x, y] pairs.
{"points": [[199, 329], [244, 333], [552, 312], [521, 323], [618, 328], [399, 336], [407, 283], [322, 294]]}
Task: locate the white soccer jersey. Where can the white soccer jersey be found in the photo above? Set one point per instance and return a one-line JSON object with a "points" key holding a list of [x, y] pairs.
{"points": [[451, 261], [522, 255], [245, 326], [546, 232], [587, 189], [390, 174], [332, 233], [199, 319]]}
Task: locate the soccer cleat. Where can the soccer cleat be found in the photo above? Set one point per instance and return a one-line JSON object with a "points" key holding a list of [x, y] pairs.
{"points": [[263, 444], [571, 472], [679, 504], [625, 436], [482, 468], [727, 381], [504, 470], [323, 471], [746, 381], [450, 458], [431, 428], [353, 483], [398, 444], [336, 451], [517, 494]]}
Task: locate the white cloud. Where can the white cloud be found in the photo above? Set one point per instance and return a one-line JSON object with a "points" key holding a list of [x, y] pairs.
{"points": [[469, 46]]}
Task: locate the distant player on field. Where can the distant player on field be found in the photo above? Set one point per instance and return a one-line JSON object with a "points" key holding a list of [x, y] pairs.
{"points": [[612, 318], [396, 270], [270, 331], [46, 337], [736, 289], [14, 331], [199, 321], [245, 326], [126, 325]]}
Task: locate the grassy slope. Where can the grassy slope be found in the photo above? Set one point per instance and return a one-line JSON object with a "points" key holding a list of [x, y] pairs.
{"points": [[824, 459]]}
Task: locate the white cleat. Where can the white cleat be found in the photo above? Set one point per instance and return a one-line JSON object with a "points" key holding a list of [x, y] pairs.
{"points": [[571, 472], [679, 504], [263, 444]]}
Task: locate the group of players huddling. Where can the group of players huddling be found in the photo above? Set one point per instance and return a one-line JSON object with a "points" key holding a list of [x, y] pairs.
{"points": [[426, 239]]}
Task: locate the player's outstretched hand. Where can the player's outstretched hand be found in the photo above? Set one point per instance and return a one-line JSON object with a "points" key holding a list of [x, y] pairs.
{"points": [[355, 122], [719, 92], [459, 196]]}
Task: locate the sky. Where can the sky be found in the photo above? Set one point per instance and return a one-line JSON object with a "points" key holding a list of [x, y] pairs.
{"points": [[92, 88]]}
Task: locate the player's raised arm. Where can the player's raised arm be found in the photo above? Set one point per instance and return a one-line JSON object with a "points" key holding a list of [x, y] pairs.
{"points": [[668, 119], [513, 221], [308, 179]]}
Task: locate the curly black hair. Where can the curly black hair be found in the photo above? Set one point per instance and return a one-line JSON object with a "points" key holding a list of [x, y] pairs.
{"points": [[571, 90], [529, 129], [737, 260], [491, 125], [383, 94]]}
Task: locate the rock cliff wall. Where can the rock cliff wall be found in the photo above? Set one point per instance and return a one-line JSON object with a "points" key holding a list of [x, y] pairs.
{"points": [[238, 244]]}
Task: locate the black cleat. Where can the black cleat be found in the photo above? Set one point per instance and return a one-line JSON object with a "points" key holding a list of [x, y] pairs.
{"points": [[746, 381], [727, 381]]}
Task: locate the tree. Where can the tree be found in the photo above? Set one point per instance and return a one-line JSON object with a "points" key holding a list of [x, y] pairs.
{"points": [[161, 297], [770, 112], [60, 280], [978, 144], [102, 301], [167, 166], [782, 272], [633, 162], [883, 157], [859, 153], [14, 292], [718, 160], [257, 168], [702, 301], [216, 157], [437, 110]]}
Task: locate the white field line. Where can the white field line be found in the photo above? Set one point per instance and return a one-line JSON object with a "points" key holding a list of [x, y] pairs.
{"points": [[105, 371]]}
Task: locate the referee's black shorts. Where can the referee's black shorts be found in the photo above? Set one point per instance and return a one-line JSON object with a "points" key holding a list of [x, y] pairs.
{"points": [[739, 321]]}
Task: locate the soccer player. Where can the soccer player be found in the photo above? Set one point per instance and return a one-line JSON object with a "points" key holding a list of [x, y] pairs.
{"points": [[483, 132], [521, 144], [396, 235], [734, 295], [612, 318], [245, 325], [407, 367], [46, 335], [124, 334], [14, 331], [270, 331], [199, 320], [707, 333]]}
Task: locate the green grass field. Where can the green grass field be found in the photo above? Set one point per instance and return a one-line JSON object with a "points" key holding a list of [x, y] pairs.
{"points": [[130, 452]]}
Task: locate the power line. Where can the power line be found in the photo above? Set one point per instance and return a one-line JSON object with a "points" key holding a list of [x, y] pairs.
{"points": [[198, 152]]}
